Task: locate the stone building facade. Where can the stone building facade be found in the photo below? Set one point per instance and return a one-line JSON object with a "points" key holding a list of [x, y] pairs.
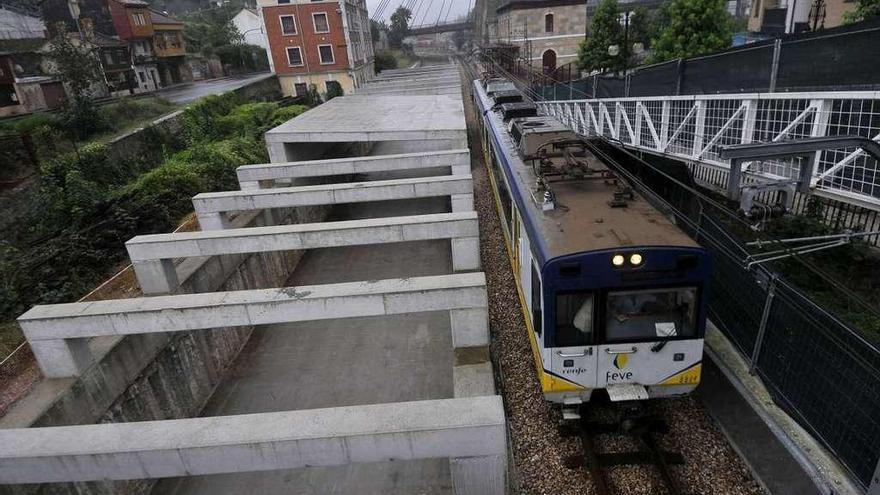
{"points": [[547, 32]]}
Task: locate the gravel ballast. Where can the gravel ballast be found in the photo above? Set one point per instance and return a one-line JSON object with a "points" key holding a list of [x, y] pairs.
{"points": [[539, 452]]}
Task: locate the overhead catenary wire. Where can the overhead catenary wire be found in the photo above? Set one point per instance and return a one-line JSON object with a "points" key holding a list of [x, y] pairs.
{"points": [[440, 12], [447, 12], [425, 13], [418, 8], [380, 9]]}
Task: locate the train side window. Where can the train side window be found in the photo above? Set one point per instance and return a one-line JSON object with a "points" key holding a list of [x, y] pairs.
{"points": [[506, 202], [537, 315], [574, 319]]}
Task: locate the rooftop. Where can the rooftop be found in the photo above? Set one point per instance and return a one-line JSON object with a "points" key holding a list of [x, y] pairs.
{"points": [[160, 18]]}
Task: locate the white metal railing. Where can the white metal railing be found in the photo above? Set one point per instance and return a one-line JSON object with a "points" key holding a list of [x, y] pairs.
{"points": [[694, 128]]}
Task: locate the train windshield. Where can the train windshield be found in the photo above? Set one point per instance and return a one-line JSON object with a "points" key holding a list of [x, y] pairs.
{"points": [[651, 314], [574, 319]]}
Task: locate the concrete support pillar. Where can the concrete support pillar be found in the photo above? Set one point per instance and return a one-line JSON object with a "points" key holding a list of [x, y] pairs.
{"points": [[465, 254], [462, 202], [249, 185], [213, 221], [156, 276], [485, 475], [470, 327], [62, 358], [277, 153], [461, 169]]}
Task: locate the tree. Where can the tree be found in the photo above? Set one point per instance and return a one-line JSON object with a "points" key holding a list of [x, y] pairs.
{"points": [[207, 30], [642, 27], [865, 9], [399, 26], [693, 27], [75, 62], [603, 32], [376, 28]]}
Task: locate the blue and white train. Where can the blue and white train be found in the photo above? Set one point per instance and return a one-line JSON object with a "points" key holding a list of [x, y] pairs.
{"points": [[613, 293]]}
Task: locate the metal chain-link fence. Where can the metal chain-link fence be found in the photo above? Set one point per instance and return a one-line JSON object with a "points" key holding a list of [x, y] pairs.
{"points": [[843, 58], [822, 372]]}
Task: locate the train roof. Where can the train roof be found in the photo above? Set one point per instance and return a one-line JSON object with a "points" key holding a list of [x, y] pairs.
{"points": [[583, 219]]}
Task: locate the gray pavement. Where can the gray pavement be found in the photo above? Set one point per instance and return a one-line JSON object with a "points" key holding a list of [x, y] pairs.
{"points": [[388, 359], [189, 92]]}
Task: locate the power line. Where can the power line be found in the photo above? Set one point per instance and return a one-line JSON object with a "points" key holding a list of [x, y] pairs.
{"points": [[440, 12], [424, 14], [448, 11], [418, 8]]}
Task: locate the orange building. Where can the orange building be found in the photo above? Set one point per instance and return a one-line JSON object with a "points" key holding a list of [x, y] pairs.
{"points": [[325, 43], [168, 43]]}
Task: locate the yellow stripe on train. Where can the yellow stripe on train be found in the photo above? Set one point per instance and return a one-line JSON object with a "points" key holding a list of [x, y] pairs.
{"points": [[689, 376]]}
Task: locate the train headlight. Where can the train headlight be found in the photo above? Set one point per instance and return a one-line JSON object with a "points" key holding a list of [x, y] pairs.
{"points": [[635, 259], [618, 260]]}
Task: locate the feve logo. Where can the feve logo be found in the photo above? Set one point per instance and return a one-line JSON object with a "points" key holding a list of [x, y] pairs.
{"points": [[619, 362]]}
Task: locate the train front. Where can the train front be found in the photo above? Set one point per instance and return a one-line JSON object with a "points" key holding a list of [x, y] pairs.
{"points": [[630, 321]]}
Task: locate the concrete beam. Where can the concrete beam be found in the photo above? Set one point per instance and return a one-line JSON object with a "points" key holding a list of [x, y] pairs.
{"points": [[249, 176], [152, 255], [468, 431], [211, 208], [56, 332], [445, 79], [404, 90]]}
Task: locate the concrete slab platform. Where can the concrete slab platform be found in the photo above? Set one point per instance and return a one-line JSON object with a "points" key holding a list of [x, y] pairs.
{"points": [[376, 118]]}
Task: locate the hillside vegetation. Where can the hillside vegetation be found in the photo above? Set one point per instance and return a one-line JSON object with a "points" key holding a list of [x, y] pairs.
{"points": [[84, 206]]}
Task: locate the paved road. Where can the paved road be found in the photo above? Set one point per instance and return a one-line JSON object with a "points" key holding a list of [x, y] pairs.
{"points": [[189, 92]]}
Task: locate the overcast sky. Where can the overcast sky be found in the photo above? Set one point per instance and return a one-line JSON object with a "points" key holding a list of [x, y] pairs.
{"points": [[456, 8]]}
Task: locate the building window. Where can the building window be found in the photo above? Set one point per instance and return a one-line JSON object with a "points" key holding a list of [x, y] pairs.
{"points": [[294, 56], [325, 52], [548, 23], [300, 89], [283, 1], [288, 25], [319, 20]]}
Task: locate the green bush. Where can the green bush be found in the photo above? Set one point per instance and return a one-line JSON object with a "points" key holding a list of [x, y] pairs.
{"points": [[128, 110], [252, 119], [200, 118], [284, 114], [88, 205], [384, 60], [31, 123]]}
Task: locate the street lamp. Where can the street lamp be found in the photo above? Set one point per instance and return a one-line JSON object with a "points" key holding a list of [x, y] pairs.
{"points": [[626, 50]]}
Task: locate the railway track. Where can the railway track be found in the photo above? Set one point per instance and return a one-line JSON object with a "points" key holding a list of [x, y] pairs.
{"points": [[644, 429]]}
